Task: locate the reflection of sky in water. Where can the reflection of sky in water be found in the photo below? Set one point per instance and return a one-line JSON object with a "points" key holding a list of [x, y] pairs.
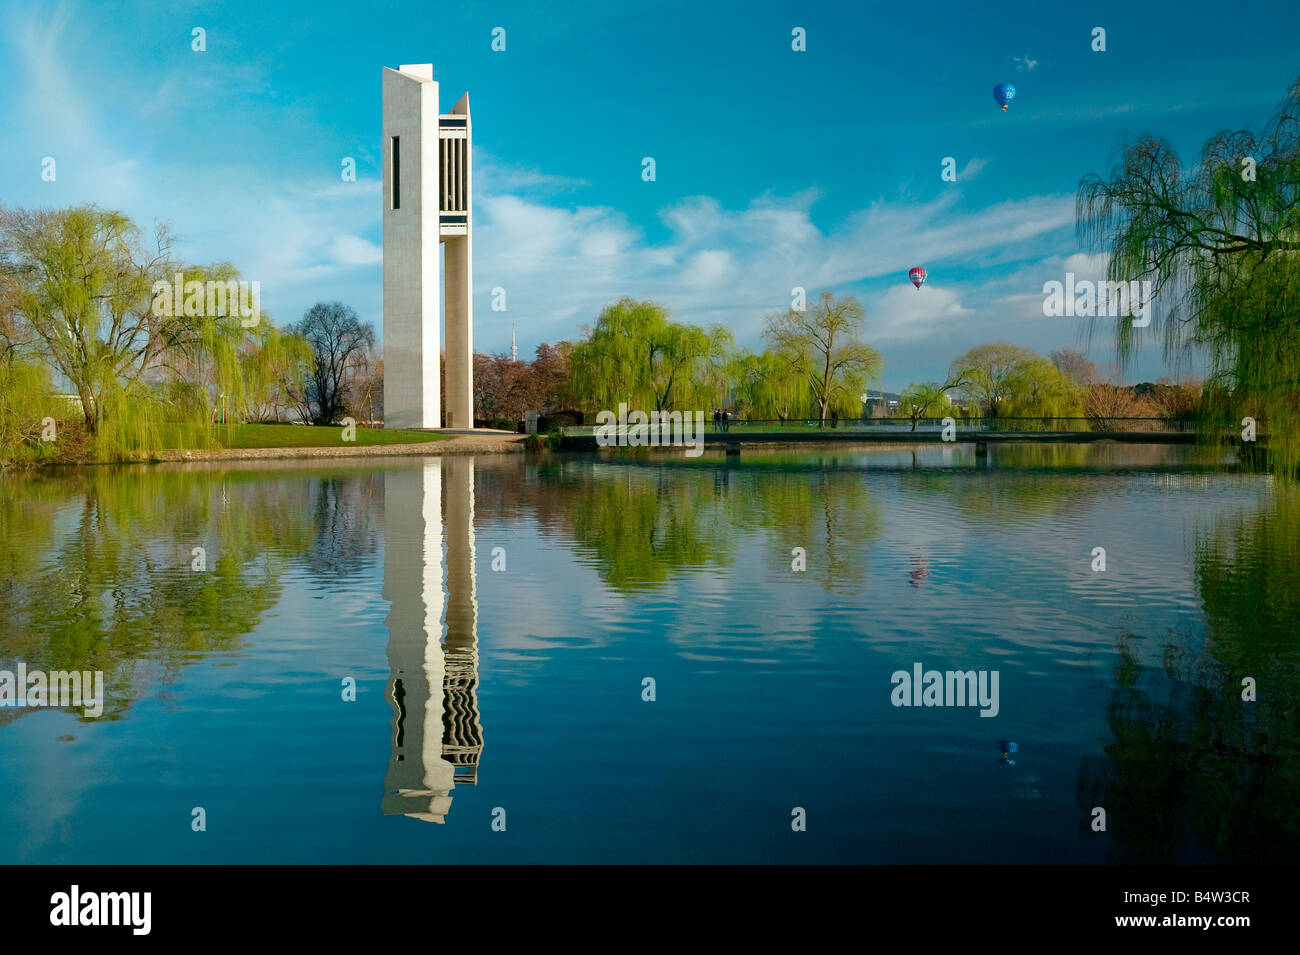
{"points": [[772, 687]]}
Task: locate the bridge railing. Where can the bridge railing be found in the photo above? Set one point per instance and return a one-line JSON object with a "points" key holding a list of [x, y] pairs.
{"points": [[965, 425], [998, 424]]}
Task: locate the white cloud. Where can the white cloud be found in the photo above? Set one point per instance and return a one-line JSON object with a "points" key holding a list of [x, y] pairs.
{"points": [[1024, 64], [707, 268], [735, 265], [906, 314], [1086, 266], [492, 175], [354, 250]]}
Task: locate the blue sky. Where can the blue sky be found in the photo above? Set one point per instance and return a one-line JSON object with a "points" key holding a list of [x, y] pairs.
{"points": [[775, 168]]}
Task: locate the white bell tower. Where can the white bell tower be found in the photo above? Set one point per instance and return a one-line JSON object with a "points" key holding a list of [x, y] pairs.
{"points": [[427, 203]]}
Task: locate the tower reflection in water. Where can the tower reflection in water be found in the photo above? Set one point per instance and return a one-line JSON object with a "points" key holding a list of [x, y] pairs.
{"points": [[433, 682]]}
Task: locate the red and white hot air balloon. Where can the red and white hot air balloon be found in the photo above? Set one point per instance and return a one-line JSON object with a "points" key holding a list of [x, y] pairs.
{"points": [[917, 275]]}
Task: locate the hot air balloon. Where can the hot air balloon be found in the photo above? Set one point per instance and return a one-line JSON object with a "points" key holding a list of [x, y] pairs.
{"points": [[917, 275], [1004, 93]]}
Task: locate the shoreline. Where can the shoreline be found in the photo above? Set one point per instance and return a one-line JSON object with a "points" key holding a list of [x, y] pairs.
{"points": [[497, 443], [494, 443]]}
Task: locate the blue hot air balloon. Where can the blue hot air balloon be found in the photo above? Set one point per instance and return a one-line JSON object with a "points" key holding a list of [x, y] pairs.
{"points": [[1004, 93]]}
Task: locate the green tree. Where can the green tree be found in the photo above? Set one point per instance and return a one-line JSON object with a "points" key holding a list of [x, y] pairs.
{"points": [[246, 372], [924, 400], [821, 344], [80, 280], [1037, 389], [273, 366], [769, 385], [986, 373], [637, 354], [25, 401]]}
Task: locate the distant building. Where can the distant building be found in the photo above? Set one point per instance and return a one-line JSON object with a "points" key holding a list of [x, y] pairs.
{"points": [[880, 404]]}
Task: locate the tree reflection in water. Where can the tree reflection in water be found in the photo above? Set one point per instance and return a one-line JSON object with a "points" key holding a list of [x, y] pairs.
{"points": [[1194, 772]]}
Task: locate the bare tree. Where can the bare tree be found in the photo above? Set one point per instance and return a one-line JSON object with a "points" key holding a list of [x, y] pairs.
{"points": [[1175, 399], [368, 388], [1074, 364], [1105, 404], [339, 341]]}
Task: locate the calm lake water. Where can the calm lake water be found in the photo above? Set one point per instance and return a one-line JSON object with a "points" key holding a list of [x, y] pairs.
{"points": [[501, 617]]}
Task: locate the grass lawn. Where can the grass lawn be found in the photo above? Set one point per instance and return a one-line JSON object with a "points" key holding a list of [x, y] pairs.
{"points": [[312, 436]]}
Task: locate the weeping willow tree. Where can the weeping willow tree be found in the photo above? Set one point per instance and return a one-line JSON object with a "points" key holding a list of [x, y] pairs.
{"points": [[240, 371], [274, 364], [25, 399], [1037, 389], [83, 294], [26, 406], [637, 354], [1220, 243], [769, 386], [80, 284]]}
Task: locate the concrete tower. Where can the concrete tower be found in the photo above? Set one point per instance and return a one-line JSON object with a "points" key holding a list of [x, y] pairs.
{"points": [[427, 203]]}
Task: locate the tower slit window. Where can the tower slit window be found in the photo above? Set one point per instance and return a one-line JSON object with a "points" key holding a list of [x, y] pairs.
{"points": [[395, 158]]}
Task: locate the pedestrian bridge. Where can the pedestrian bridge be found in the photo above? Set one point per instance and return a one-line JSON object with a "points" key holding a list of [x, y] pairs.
{"points": [[894, 431]]}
